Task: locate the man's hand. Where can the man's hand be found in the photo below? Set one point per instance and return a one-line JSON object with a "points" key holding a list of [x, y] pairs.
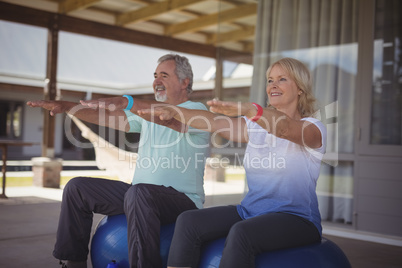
{"points": [[173, 124], [112, 104], [230, 108], [166, 112], [165, 116], [55, 107]]}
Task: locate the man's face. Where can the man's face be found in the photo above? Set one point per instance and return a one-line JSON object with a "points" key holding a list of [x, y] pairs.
{"points": [[167, 87]]}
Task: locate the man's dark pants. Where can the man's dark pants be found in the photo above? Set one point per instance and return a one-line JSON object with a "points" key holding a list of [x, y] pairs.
{"points": [[146, 206]]}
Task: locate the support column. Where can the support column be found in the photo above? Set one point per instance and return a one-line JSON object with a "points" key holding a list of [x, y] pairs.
{"points": [[47, 169], [50, 90], [218, 92], [217, 173]]}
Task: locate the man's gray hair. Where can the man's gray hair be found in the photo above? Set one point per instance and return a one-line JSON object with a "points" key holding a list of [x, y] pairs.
{"points": [[183, 68]]}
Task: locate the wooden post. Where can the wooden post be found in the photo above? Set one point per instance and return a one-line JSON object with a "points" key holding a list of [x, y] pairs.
{"points": [[218, 92], [50, 90], [217, 173]]}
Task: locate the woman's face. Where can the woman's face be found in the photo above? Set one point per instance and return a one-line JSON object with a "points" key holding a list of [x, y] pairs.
{"points": [[282, 91]]}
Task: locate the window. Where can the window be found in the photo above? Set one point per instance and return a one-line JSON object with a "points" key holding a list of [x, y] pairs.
{"points": [[386, 113], [323, 35], [11, 120]]}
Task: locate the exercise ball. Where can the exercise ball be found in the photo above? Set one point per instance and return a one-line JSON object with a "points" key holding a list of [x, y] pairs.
{"points": [[109, 242], [325, 254]]}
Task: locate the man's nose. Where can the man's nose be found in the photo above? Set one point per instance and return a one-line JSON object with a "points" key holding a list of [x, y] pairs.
{"points": [[157, 82]]}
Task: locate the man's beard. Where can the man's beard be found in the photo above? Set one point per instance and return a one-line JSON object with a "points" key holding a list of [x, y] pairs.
{"points": [[160, 96], [160, 93]]}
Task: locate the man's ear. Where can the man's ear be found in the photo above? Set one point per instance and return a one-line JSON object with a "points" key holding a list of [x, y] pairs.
{"points": [[185, 83]]}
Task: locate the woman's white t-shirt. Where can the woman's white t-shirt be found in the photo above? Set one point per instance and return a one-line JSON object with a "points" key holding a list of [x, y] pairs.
{"points": [[281, 175]]}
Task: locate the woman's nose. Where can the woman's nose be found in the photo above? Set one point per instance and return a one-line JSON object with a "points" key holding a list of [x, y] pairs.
{"points": [[273, 84]]}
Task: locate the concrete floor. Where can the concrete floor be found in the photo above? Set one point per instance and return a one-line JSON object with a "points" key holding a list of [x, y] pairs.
{"points": [[363, 254], [29, 220]]}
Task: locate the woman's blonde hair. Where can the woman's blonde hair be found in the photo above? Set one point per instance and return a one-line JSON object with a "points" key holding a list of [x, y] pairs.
{"points": [[299, 73]]}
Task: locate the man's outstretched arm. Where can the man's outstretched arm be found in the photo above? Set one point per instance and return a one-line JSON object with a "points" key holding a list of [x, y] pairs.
{"points": [[114, 119], [120, 103]]}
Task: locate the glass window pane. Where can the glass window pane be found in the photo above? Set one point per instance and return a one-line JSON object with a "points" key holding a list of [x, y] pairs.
{"points": [[10, 119], [17, 118], [335, 192], [386, 114], [324, 36], [4, 119], [334, 70]]}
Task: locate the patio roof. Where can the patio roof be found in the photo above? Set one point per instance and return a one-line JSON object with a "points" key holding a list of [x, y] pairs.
{"points": [[111, 66], [216, 29], [204, 25]]}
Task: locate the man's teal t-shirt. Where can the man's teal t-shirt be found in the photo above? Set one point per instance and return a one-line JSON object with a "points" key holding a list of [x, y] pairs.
{"points": [[170, 158]]}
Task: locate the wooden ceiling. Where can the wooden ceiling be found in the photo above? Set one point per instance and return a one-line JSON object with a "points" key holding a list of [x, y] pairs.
{"points": [[184, 24]]}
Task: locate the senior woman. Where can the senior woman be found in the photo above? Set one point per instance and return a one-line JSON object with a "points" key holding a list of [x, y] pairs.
{"points": [[285, 145]]}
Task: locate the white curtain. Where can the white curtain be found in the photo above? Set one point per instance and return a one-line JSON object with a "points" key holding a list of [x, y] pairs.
{"points": [[323, 35]]}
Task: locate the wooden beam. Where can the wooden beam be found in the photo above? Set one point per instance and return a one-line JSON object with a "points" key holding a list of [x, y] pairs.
{"points": [[232, 36], [72, 5], [116, 33], [152, 10], [236, 56], [20, 88], [20, 14], [248, 47], [16, 13], [12, 88], [208, 20]]}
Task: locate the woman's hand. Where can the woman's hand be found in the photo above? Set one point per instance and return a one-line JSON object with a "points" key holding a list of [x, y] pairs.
{"points": [[230, 128], [231, 108]]}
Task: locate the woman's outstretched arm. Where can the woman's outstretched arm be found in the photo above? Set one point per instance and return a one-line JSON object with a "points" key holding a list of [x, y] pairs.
{"points": [[275, 122], [231, 128]]}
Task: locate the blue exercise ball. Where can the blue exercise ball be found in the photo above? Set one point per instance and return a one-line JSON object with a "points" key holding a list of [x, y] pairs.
{"points": [[110, 242], [325, 254]]}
